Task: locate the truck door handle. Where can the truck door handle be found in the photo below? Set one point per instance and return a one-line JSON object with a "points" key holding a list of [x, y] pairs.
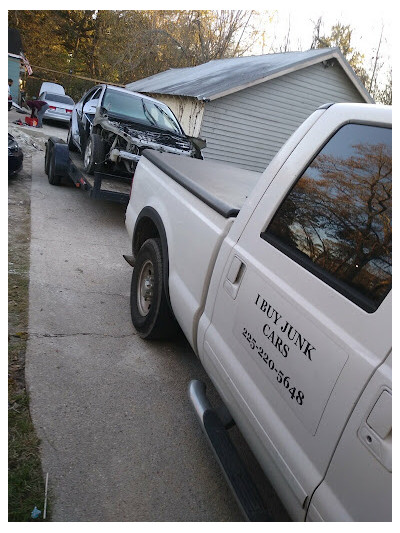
{"points": [[379, 420], [380, 417], [234, 276]]}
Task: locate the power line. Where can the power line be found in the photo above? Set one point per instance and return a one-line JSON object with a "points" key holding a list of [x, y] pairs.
{"points": [[76, 76]]}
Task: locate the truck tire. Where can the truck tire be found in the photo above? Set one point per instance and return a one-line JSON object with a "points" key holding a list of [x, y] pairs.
{"points": [[151, 315], [94, 153], [51, 176]]}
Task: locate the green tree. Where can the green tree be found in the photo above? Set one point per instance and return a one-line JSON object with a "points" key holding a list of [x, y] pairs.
{"points": [[340, 36], [121, 46]]}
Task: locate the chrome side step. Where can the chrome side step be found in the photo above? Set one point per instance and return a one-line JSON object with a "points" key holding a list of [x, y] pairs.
{"points": [[236, 474]]}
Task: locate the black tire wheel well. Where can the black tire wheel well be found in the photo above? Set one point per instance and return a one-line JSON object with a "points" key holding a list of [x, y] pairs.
{"points": [[150, 311], [146, 229]]}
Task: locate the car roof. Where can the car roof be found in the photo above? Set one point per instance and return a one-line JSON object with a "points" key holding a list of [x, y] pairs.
{"points": [[123, 90]]}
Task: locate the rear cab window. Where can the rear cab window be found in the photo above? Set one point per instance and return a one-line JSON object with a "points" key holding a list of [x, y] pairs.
{"points": [[337, 219]]}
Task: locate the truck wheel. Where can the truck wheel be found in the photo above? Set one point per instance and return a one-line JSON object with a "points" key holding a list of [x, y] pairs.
{"points": [[94, 153], [51, 176], [151, 315]]}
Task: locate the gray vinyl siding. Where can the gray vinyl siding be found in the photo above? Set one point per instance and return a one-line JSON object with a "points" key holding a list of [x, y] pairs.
{"points": [[248, 127]]}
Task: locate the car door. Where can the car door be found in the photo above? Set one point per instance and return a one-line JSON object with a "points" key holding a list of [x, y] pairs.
{"points": [[302, 313], [85, 113], [78, 128]]}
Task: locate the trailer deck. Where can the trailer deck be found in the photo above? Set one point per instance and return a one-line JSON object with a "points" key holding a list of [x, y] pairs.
{"points": [[60, 162]]}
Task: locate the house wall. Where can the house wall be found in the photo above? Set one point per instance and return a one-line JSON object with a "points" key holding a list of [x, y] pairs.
{"points": [[188, 110], [13, 73], [248, 127]]}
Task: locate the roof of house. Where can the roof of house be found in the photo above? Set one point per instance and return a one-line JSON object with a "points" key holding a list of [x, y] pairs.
{"points": [[220, 77], [14, 42]]}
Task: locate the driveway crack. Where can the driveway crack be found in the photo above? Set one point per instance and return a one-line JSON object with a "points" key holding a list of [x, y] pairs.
{"points": [[58, 335]]}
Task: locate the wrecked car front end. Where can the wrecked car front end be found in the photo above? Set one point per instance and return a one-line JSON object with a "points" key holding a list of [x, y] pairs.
{"points": [[134, 124]]}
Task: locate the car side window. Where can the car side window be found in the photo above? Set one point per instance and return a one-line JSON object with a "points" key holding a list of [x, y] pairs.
{"points": [[88, 97], [96, 95], [337, 219]]}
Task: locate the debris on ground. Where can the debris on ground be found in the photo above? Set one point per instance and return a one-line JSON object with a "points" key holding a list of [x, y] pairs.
{"points": [[36, 513], [28, 145]]}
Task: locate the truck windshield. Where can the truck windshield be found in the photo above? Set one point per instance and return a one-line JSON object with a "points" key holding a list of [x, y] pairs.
{"points": [[133, 108]]}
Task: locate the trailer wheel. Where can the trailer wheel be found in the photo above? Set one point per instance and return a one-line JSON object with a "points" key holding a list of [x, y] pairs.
{"points": [[94, 153], [47, 160], [151, 315], [51, 176]]}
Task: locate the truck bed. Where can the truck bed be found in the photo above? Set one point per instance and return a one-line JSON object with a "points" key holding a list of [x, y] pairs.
{"points": [[223, 187], [200, 200]]}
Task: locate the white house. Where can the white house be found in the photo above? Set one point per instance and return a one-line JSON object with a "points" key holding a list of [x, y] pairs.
{"points": [[247, 107]]}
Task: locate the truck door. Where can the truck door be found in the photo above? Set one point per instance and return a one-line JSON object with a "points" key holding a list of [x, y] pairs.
{"points": [[357, 485], [302, 313]]}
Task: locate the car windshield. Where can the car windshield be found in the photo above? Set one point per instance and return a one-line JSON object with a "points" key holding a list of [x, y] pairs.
{"points": [[59, 98], [133, 108]]}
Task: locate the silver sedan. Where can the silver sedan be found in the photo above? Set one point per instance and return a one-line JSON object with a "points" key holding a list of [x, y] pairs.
{"points": [[60, 106]]}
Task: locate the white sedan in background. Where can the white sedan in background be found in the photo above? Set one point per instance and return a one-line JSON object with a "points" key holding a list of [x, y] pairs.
{"points": [[60, 104]]}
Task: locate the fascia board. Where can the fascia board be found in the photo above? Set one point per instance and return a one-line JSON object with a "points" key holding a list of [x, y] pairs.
{"points": [[353, 78]]}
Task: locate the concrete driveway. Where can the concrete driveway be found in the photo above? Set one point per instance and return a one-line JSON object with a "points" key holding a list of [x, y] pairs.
{"points": [[119, 439]]}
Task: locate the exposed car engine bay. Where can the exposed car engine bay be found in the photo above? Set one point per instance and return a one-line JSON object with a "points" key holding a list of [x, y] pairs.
{"points": [[124, 141]]}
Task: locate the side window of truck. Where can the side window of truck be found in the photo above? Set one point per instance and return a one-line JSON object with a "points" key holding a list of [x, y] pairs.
{"points": [[337, 219]]}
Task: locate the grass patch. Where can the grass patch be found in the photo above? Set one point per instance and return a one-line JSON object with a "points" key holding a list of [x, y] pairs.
{"points": [[26, 485]]}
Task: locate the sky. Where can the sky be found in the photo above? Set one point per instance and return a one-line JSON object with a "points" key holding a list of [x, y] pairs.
{"points": [[366, 29], [365, 19]]}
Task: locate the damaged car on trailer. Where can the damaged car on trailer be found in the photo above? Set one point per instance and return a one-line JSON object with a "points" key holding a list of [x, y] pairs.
{"points": [[111, 126]]}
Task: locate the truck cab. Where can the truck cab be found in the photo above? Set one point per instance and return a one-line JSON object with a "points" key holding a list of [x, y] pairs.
{"points": [[294, 328]]}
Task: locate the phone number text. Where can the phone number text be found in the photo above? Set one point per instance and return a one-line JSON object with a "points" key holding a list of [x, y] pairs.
{"points": [[296, 394]]}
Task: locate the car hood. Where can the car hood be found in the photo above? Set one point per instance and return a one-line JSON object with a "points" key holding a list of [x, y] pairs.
{"points": [[155, 135], [146, 136]]}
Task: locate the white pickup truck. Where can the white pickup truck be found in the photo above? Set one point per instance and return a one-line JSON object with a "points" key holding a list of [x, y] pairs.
{"points": [[281, 282]]}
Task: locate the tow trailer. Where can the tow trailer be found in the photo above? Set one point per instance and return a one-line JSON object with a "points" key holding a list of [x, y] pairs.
{"points": [[60, 162]]}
